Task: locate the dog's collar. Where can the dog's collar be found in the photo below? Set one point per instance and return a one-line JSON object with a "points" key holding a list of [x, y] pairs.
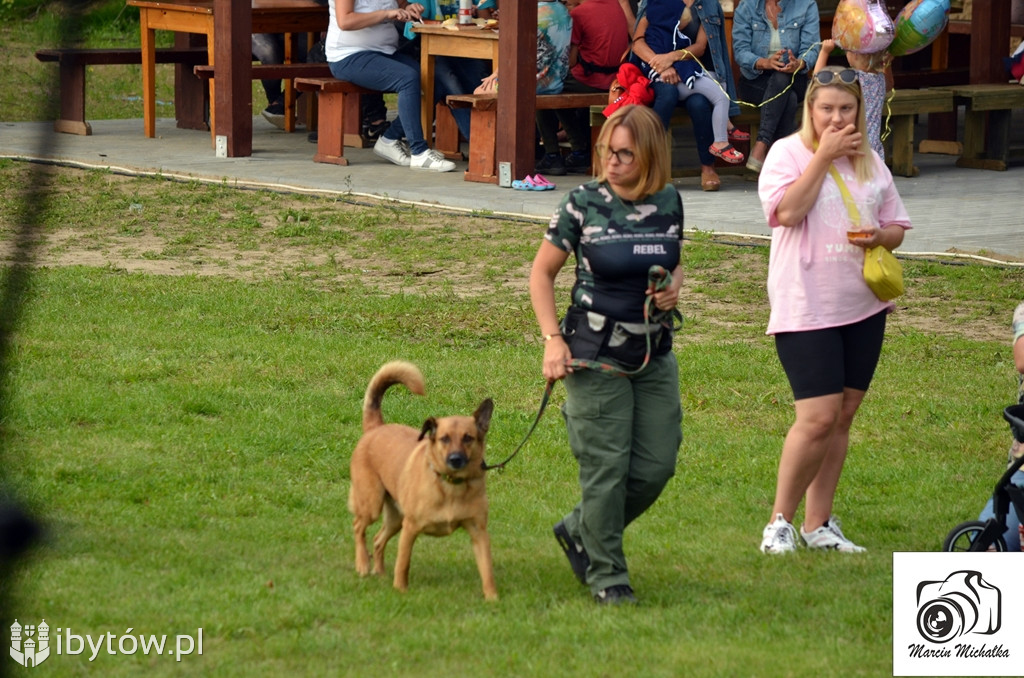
{"points": [[446, 477]]}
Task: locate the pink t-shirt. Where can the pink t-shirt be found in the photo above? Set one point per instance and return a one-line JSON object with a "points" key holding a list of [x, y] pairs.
{"points": [[815, 276]]}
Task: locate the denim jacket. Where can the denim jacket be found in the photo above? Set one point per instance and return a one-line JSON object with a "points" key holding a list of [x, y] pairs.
{"points": [[712, 18], [799, 31]]}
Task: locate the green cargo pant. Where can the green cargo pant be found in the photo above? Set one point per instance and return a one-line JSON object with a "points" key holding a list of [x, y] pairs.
{"points": [[625, 432]]}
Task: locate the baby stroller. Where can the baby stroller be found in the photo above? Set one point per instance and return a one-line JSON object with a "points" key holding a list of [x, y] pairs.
{"points": [[987, 535]]}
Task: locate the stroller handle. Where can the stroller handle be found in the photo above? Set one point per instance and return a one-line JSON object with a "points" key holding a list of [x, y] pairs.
{"points": [[1015, 415]]}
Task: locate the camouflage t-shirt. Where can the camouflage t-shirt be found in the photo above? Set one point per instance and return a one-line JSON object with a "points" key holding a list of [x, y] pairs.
{"points": [[616, 242]]}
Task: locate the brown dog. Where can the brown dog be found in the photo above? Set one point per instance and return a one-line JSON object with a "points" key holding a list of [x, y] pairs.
{"points": [[427, 482]]}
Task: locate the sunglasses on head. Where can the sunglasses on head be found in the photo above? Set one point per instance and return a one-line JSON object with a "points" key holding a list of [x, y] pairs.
{"points": [[847, 76]]}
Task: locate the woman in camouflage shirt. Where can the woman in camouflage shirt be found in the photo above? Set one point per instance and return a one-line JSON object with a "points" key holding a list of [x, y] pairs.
{"points": [[624, 429]]}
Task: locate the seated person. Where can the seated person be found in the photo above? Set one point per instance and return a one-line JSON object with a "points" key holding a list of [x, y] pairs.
{"points": [[454, 75], [362, 44], [598, 44], [268, 48], [774, 64], [1012, 534], [664, 51], [554, 29]]}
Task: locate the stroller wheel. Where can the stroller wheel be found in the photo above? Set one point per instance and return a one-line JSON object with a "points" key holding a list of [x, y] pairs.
{"points": [[961, 538]]}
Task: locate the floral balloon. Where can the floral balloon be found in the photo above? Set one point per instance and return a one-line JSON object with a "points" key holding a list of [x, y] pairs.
{"points": [[862, 26]]}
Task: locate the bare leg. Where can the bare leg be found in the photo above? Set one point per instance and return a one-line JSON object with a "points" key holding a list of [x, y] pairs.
{"points": [[822, 490], [804, 450]]}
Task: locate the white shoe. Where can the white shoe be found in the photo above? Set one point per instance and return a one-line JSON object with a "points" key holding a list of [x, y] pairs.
{"points": [[779, 536], [431, 160], [830, 537], [275, 119], [392, 151]]}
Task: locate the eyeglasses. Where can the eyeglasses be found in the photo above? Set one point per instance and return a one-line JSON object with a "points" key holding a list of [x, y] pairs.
{"points": [[623, 155], [847, 76]]}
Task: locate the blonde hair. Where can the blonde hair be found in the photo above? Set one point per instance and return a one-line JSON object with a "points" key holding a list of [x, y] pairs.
{"points": [[862, 164], [650, 146]]}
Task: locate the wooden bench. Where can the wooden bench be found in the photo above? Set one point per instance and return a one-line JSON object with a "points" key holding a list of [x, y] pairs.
{"points": [[339, 119], [991, 104], [72, 63], [749, 116], [902, 110], [286, 72], [483, 122]]}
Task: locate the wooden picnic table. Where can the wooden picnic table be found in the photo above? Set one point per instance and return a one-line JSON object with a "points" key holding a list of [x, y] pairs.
{"points": [[435, 40], [268, 16]]}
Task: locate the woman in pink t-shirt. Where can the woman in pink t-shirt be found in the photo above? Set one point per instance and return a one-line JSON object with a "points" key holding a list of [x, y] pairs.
{"points": [[828, 325]]}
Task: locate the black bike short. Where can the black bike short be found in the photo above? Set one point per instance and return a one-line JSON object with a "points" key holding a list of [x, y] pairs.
{"points": [[823, 362]]}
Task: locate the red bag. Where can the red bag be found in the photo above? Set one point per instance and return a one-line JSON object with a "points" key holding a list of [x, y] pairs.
{"points": [[633, 89]]}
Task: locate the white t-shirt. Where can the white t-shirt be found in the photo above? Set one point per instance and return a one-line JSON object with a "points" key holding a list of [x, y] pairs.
{"points": [[815, 276], [378, 38]]}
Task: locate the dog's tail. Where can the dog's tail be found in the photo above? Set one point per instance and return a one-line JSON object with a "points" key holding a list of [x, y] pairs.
{"points": [[397, 372]]}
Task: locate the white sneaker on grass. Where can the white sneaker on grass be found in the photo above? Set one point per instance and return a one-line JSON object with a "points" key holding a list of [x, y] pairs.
{"points": [[431, 160], [392, 151], [830, 537], [778, 536]]}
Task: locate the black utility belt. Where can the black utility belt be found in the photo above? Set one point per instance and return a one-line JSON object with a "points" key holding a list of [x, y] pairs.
{"points": [[591, 336]]}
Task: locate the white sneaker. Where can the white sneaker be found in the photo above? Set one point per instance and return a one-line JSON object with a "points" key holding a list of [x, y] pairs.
{"points": [[830, 537], [779, 536], [431, 160], [392, 151]]}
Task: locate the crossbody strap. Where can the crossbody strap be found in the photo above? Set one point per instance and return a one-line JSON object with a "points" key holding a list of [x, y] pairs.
{"points": [[851, 206]]}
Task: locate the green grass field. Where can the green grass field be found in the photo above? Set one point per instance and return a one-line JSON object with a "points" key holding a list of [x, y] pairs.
{"points": [[185, 390]]}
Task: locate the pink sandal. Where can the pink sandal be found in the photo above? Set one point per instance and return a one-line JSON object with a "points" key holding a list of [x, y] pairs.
{"points": [[727, 153], [541, 180]]}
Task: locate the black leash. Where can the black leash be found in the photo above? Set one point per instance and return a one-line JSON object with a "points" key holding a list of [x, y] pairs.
{"points": [[543, 406], [660, 279]]}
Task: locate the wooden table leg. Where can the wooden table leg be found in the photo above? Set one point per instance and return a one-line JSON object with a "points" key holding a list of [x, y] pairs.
{"points": [[213, 93], [903, 145], [427, 91], [289, 89], [148, 74], [981, 152]]}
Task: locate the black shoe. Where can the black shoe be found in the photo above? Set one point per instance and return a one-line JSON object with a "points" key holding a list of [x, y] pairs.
{"points": [[373, 130], [551, 163], [579, 561], [621, 594], [313, 137], [577, 163]]}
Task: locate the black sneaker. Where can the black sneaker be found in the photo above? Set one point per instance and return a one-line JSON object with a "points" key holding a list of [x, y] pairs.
{"points": [[577, 163], [373, 130], [621, 594], [551, 163], [579, 561]]}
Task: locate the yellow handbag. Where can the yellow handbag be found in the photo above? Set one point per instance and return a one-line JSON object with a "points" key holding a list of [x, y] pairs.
{"points": [[882, 270], [883, 273]]}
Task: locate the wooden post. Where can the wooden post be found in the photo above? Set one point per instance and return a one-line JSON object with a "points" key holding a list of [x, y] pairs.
{"points": [[517, 88], [990, 40], [232, 27]]}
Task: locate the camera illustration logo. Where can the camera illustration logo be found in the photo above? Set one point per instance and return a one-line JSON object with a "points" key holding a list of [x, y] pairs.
{"points": [[960, 604]]}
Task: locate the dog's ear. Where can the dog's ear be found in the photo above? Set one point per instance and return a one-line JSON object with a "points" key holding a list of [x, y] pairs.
{"points": [[429, 429], [482, 416]]}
